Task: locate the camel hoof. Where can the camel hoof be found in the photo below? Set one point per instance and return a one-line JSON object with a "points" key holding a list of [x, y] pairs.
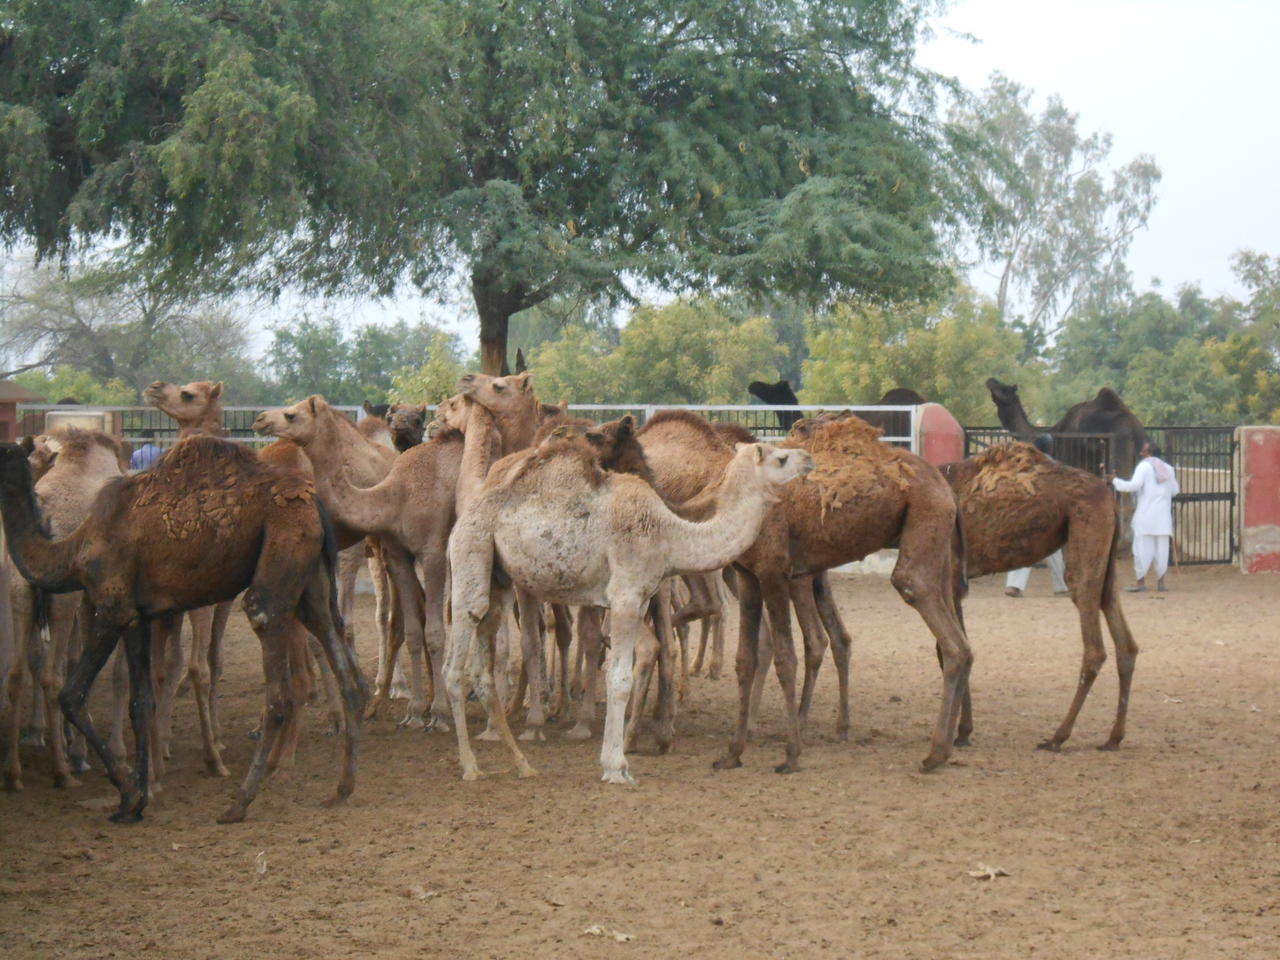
{"points": [[1110, 746], [216, 768], [963, 741], [473, 774], [255, 733], [726, 763], [578, 732], [533, 734], [489, 735], [130, 810], [413, 721], [233, 814], [439, 724], [665, 745], [12, 784], [786, 767], [80, 765], [713, 673], [32, 738], [525, 772], [1053, 746], [932, 762], [337, 800], [622, 777], [62, 781]]}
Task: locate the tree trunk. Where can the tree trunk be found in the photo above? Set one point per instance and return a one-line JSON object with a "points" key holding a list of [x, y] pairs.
{"points": [[495, 307]]}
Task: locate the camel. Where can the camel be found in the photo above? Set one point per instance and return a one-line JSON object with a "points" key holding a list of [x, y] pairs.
{"points": [[780, 394], [342, 457], [1104, 414], [209, 521], [408, 424], [83, 462], [863, 496], [1018, 506], [556, 524], [375, 426]]}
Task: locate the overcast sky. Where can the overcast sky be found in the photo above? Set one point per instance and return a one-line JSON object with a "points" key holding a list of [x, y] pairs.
{"points": [[1195, 84]]}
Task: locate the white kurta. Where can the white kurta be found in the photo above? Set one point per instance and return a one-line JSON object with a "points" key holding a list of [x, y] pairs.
{"points": [[1153, 515]]}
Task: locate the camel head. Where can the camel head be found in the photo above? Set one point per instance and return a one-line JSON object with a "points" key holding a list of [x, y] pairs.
{"points": [[298, 423], [408, 422], [777, 394], [452, 412], [499, 394], [1004, 394], [772, 465], [183, 403], [381, 410], [15, 471]]}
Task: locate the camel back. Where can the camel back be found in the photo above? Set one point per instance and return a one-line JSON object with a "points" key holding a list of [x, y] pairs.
{"points": [[205, 483], [78, 444], [852, 462], [1009, 465]]}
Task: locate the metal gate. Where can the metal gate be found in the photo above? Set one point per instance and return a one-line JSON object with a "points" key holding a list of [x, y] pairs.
{"points": [[1204, 511]]}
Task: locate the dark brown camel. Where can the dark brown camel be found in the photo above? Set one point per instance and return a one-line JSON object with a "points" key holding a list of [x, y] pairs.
{"points": [[864, 496], [1104, 414], [1018, 506], [408, 424], [208, 521]]}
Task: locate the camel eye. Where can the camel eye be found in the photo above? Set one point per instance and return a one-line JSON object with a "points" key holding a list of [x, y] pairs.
{"points": [[187, 396], [498, 387], [782, 461], [290, 416]]}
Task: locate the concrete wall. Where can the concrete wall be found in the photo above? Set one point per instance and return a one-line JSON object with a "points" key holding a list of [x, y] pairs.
{"points": [[1259, 486]]}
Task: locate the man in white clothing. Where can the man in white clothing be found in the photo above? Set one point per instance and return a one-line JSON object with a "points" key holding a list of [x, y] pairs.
{"points": [[1156, 485]]}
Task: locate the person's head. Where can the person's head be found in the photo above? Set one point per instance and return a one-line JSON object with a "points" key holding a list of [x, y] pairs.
{"points": [[147, 435], [1044, 443], [1152, 449]]}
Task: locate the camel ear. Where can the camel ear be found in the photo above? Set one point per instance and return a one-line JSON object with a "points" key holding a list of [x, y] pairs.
{"points": [[216, 392], [521, 366], [522, 381], [311, 402], [28, 443], [626, 426], [367, 407], [759, 450], [53, 445]]}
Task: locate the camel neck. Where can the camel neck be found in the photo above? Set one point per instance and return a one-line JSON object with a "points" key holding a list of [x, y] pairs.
{"points": [[517, 428], [209, 425], [477, 452], [1014, 419], [46, 562], [742, 501]]}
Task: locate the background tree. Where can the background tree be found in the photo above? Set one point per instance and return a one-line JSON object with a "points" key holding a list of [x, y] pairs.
{"points": [[943, 350], [1063, 223], [435, 378], [67, 381], [538, 149]]}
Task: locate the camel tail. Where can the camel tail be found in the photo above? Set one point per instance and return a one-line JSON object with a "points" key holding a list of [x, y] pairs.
{"points": [[1109, 580], [960, 554]]}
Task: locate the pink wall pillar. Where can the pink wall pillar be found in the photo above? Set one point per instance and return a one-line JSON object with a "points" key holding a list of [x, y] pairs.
{"points": [[939, 436], [1259, 486]]}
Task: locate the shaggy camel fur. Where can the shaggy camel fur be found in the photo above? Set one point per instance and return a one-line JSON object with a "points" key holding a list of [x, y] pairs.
{"points": [[207, 522], [340, 457], [1018, 506], [84, 462], [569, 532], [864, 495]]}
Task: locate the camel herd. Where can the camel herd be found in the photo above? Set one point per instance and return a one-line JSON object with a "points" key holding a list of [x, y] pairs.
{"points": [[500, 505]]}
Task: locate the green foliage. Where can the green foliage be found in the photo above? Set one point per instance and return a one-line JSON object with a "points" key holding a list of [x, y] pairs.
{"points": [[435, 379], [943, 350], [66, 381], [1252, 376], [580, 366], [1179, 386], [544, 149]]}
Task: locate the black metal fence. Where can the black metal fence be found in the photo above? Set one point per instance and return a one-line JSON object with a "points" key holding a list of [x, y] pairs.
{"points": [[1203, 458]]}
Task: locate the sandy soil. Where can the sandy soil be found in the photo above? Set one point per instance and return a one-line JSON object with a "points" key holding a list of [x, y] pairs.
{"points": [[1168, 848]]}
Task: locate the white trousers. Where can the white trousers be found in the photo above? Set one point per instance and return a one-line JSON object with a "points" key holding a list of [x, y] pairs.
{"points": [[1020, 578], [1147, 548]]}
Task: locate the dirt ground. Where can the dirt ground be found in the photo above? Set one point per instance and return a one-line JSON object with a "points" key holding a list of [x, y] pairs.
{"points": [[1168, 848]]}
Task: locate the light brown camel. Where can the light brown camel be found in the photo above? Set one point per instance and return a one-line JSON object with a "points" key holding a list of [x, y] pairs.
{"points": [[340, 458], [863, 496], [553, 522], [84, 461], [1018, 506], [208, 521], [375, 425]]}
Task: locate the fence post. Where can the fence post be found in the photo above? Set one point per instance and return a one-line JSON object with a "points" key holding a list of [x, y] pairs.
{"points": [[1259, 486]]}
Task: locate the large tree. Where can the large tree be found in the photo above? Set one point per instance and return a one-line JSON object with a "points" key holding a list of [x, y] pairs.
{"points": [[542, 149]]}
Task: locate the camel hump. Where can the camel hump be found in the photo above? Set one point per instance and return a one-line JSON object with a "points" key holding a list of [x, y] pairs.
{"points": [[1108, 399]]}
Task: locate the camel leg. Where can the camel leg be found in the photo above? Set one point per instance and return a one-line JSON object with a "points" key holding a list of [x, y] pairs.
{"points": [[716, 621], [141, 706], [764, 657], [434, 577], [487, 691], [1126, 658], [750, 615], [217, 636], [24, 635], [922, 577], [316, 614], [841, 644], [665, 709], [590, 646], [1095, 655], [627, 615], [77, 749], [166, 654], [777, 600], [202, 685], [62, 623], [299, 677], [646, 657], [564, 639], [815, 640], [119, 702], [531, 650], [349, 562]]}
